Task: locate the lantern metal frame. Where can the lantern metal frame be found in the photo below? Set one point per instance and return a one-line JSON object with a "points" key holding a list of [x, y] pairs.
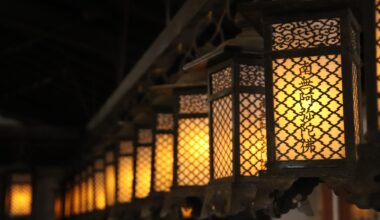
{"points": [[179, 195], [155, 131], [349, 54], [136, 145], [110, 162], [95, 171], [120, 154], [8, 185]]}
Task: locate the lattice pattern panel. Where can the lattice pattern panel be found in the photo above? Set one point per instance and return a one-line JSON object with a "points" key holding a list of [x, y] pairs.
{"points": [[221, 80], [145, 136], [126, 147], [252, 75], [20, 200], [193, 152], [164, 162], [165, 121], [110, 185], [189, 104], [355, 83], [100, 191], [143, 172], [125, 179], [377, 17], [76, 200], [308, 103], [83, 197], [222, 136], [306, 34], [68, 200], [90, 194], [253, 147]]}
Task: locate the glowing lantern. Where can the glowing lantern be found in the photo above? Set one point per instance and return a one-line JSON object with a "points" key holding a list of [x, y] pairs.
{"points": [[83, 193], [68, 202], [143, 162], [163, 151], [58, 207], [19, 196], [192, 144], [76, 196], [110, 178], [313, 78], [99, 185], [90, 190], [125, 172]]}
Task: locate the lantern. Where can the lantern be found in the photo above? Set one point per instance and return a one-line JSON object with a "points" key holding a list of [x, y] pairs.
{"points": [[110, 178], [76, 196], [58, 206], [236, 94], [99, 185], [68, 201], [90, 190], [313, 93], [191, 152], [125, 172], [19, 196], [163, 156], [83, 192], [143, 162], [192, 144]]}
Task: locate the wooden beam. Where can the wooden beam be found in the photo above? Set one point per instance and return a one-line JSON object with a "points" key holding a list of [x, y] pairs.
{"points": [[192, 10]]}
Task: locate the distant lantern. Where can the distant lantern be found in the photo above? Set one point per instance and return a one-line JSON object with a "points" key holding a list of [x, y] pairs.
{"points": [[192, 144], [76, 196], [58, 206], [143, 162], [99, 185], [163, 158], [110, 178], [90, 189], [83, 192], [125, 171], [313, 82], [19, 196], [68, 201]]}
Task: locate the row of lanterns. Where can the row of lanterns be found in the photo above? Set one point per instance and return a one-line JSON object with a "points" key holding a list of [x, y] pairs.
{"points": [[291, 111]]}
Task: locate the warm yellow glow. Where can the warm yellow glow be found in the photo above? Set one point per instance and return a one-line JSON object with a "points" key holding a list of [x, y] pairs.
{"points": [[68, 203], [76, 200], [83, 197], [193, 152], [100, 192], [308, 103], [377, 17], [110, 185], [143, 172], [125, 179], [253, 146], [58, 207], [90, 194], [222, 136], [164, 159], [187, 212], [20, 203]]}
